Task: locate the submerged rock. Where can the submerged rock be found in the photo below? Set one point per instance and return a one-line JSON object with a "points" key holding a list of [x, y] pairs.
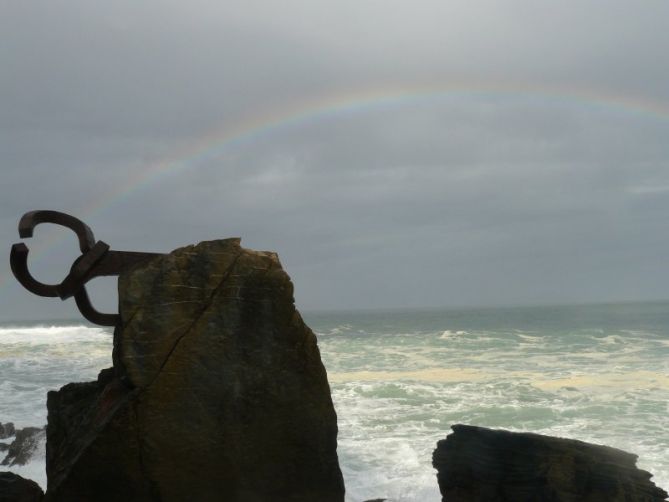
{"points": [[218, 392], [14, 488], [24, 446], [479, 464]]}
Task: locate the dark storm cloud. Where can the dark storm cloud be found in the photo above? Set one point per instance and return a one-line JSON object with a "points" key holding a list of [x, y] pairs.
{"points": [[446, 199]]}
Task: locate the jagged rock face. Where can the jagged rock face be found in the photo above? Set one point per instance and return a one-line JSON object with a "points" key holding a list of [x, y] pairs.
{"points": [[14, 488], [479, 464], [24, 446], [218, 391]]}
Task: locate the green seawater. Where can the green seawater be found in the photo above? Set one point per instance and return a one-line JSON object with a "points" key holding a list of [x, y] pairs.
{"points": [[400, 379]]}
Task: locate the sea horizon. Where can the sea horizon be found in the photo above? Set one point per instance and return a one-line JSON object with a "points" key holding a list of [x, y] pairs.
{"points": [[390, 309]]}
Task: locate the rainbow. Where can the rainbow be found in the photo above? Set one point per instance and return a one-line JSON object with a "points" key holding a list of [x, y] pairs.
{"points": [[216, 142], [348, 103]]}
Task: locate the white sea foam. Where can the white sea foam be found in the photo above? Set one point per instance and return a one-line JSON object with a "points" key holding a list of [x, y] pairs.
{"points": [[36, 359], [612, 340], [398, 391], [530, 338], [35, 468], [51, 335], [448, 333], [418, 413]]}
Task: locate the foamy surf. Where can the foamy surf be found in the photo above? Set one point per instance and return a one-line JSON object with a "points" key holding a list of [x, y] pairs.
{"points": [[399, 380], [448, 334]]}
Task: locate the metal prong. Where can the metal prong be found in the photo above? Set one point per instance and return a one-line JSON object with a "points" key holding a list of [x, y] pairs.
{"points": [[18, 260], [87, 310], [81, 270], [31, 219]]}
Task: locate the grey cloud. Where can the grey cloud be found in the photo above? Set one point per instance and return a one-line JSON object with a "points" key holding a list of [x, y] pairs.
{"points": [[522, 193]]}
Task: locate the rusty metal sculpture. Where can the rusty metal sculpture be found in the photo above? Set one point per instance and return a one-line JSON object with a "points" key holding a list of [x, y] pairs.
{"points": [[96, 260]]}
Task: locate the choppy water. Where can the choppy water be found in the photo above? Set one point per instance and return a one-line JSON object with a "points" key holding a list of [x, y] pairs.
{"points": [[401, 379]]}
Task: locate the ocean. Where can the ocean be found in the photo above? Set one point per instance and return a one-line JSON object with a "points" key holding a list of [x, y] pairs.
{"points": [[400, 379]]}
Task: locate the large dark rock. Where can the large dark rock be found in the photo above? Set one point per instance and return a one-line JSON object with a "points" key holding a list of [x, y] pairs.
{"points": [[7, 430], [24, 446], [14, 488], [479, 464], [218, 392]]}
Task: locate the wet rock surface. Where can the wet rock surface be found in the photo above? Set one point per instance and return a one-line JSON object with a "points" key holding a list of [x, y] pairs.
{"points": [[479, 464], [218, 392], [25, 444], [14, 488]]}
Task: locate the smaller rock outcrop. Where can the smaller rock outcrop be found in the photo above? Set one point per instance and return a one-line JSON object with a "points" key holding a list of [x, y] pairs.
{"points": [[24, 445], [14, 488], [7, 430], [479, 464]]}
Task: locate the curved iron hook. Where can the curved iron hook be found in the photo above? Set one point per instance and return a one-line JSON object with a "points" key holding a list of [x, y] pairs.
{"points": [[97, 260], [18, 259], [88, 311], [31, 219]]}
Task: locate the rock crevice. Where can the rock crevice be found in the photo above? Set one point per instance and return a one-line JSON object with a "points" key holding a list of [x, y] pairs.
{"points": [[198, 316]]}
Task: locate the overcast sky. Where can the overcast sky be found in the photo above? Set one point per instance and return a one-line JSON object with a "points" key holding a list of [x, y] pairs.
{"points": [[396, 153]]}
